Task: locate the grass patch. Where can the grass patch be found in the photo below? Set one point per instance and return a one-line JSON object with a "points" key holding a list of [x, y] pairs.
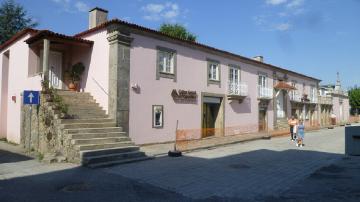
{"points": [[40, 156]]}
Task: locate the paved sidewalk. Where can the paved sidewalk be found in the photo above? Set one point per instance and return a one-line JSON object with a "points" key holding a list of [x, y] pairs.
{"points": [[25, 179], [15, 163], [248, 171]]}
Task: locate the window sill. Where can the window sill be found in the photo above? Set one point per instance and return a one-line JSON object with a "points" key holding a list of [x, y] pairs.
{"points": [[167, 75], [214, 82]]}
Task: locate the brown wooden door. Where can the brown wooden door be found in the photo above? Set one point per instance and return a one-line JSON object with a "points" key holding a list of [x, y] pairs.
{"points": [[262, 120]]}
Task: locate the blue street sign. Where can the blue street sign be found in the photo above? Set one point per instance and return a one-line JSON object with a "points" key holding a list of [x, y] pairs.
{"points": [[31, 97]]}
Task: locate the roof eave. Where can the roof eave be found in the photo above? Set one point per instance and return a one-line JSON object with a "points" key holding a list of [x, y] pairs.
{"points": [[138, 27]]}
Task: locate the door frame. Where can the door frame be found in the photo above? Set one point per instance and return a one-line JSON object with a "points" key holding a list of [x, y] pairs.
{"points": [[60, 77], [222, 110], [265, 119], [4, 90]]}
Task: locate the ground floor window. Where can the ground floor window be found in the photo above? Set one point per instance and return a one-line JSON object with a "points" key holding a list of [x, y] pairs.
{"points": [[158, 116]]}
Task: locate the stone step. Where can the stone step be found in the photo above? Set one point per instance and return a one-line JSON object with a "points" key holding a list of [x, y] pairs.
{"points": [[99, 140], [98, 152], [112, 157], [89, 116], [98, 135], [67, 92], [84, 106], [82, 112], [88, 125], [100, 120], [117, 162], [93, 130], [104, 146], [79, 102]]}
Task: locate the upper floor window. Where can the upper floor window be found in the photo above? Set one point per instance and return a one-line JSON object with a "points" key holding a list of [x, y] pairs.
{"points": [[213, 70], [262, 80], [293, 92], [312, 92], [166, 63], [234, 75]]}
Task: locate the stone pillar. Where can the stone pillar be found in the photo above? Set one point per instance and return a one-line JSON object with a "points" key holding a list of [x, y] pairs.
{"points": [[119, 77], [45, 64], [274, 101]]}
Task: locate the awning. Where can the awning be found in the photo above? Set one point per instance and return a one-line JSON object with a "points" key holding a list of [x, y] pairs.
{"points": [[282, 85]]}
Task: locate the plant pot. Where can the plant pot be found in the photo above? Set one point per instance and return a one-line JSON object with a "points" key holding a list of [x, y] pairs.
{"points": [[72, 87]]}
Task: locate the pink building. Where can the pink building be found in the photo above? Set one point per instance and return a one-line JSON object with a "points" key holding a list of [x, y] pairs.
{"points": [[147, 81]]}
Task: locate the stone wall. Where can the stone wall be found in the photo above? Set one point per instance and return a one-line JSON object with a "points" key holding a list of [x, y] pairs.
{"points": [[43, 134]]}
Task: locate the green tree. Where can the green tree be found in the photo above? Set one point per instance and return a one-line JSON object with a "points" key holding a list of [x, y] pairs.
{"points": [[354, 99], [13, 18], [177, 30]]}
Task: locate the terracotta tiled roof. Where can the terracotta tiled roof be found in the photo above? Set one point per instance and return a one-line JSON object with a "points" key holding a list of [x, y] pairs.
{"points": [[141, 28], [16, 37], [284, 86], [46, 33]]}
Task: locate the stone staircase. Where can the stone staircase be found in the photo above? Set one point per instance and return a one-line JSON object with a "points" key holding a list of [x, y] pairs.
{"points": [[94, 139]]}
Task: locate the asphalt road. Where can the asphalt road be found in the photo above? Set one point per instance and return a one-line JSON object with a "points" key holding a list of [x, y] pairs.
{"points": [[264, 170]]}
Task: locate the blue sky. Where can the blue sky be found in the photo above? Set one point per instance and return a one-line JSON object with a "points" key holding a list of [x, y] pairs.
{"points": [[313, 37]]}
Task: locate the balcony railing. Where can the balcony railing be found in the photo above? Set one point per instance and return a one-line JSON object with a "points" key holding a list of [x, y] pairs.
{"points": [[295, 96], [265, 92], [238, 89], [325, 100]]}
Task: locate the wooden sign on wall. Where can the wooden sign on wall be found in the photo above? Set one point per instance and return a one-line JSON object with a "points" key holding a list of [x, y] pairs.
{"points": [[184, 95]]}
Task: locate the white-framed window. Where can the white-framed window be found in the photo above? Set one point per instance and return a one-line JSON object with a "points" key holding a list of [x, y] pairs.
{"points": [[158, 116], [166, 62], [234, 75], [214, 72], [313, 93], [293, 92], [262, 81]]}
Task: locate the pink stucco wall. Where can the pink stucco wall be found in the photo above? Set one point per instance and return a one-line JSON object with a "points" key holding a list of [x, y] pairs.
{"points": [[191, 75], [18, 81], [96, 77]]}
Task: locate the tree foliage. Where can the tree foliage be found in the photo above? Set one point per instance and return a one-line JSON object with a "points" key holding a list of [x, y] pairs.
{"points": [[177, 30], [13, 18], [354, 98]]}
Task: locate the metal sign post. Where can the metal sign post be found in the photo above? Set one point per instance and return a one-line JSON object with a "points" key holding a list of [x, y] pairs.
{"points": [[31, 98]]}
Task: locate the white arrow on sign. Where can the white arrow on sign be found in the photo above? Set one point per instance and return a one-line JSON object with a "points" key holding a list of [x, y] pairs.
{"points": [[31, 96]]}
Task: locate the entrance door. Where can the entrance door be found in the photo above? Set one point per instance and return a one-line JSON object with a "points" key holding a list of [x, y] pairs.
{"points": [[55, 67], [341, 112], [262, 119], [280, 112], [211, 116]]}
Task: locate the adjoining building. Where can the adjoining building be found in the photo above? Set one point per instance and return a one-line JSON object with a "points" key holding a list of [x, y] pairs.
{"points": [[147, 82], [339, 100]]}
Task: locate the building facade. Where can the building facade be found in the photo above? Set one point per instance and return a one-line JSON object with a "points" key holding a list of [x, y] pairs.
{"points": [[153, 84]]}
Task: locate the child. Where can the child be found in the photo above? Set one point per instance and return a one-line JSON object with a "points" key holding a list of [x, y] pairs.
{"points": [[300, 134]]}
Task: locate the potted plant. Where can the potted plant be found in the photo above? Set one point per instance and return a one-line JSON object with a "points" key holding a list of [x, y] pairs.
{"points": [[75, 75]]}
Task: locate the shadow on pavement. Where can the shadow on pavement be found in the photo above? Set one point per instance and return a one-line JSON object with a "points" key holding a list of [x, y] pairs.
{"points": [[257, 175], [9, 157]]}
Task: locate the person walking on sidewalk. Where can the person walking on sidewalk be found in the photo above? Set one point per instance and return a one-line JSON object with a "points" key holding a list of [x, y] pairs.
{"points": [[300, 134], [292, 123]]}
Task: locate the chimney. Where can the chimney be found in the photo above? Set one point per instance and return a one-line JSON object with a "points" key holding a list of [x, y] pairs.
{"points": [[259, 58], [97, 16]]}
